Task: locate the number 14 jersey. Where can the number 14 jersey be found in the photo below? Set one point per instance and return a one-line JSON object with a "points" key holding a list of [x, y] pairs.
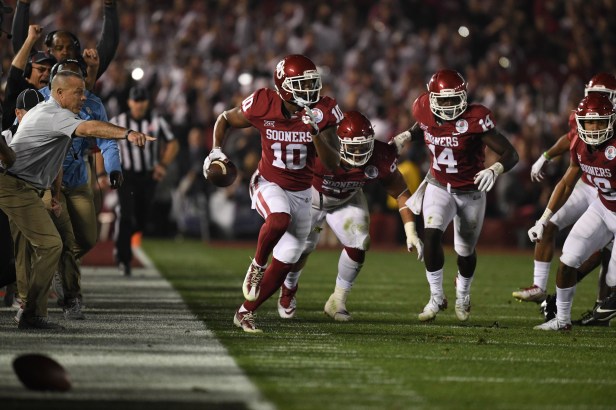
{"points": [[456, 149]]}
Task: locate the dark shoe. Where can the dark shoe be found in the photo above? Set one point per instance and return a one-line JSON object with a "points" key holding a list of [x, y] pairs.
{"points": [[72, 310], [9, 296], [606, 309], [548, 307], [125, 267], [37, 322], [587, 319]]}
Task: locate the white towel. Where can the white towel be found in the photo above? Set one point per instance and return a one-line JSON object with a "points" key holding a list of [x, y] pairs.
{"points": [[415, 202]]}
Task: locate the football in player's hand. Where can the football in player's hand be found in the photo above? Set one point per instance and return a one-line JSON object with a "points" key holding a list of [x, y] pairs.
{"points": [[222, 172], [40, 372]]}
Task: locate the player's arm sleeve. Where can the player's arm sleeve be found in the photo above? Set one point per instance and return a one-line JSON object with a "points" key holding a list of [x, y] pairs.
{"points": [[19, 29], [111, 154], [110, 38]]}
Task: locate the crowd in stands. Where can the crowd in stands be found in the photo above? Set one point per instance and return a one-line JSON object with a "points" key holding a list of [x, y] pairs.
{"points": [[527, 60]]}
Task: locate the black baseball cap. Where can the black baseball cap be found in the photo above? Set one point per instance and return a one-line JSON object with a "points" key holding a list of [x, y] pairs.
{"points": [[28, 98], [42, 57], [138, 93]]}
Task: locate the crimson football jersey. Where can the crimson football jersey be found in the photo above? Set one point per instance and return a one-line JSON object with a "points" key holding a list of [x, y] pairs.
{"points": [[343, 183], [456, 149], [287, 151], [598, 168]]}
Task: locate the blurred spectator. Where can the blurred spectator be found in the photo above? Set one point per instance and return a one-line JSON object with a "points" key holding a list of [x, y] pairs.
{"points": [[526, 58]]}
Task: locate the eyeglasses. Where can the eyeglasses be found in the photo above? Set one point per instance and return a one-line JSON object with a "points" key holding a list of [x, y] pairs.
{"points": [[41, 68]]}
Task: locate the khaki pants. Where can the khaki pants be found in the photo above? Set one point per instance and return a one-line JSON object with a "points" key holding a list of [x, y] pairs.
{"points": [[22, 204]]}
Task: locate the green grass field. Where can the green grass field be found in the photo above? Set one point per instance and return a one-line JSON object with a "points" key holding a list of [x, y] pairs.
{"points": [[385, 358]]}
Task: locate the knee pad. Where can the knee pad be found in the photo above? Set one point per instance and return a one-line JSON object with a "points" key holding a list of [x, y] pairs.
{"points": [[463, 250], [570, 260]]}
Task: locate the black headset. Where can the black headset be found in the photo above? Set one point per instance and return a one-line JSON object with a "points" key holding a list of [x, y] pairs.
{"points": [[60, 67], [49, 39]]}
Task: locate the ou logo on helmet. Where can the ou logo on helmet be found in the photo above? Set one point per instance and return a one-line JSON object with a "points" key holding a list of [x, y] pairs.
{"points": [[280, 69]]}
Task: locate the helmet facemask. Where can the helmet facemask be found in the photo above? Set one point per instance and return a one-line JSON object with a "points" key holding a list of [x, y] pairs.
{"points": [[595, 137], [358, 150], [449, 111], [305, 89]]}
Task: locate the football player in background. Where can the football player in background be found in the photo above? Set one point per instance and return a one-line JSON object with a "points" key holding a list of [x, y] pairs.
{"points": [[296, 124], [338, 198], [581, 197], [456, 134], [592, 155]]}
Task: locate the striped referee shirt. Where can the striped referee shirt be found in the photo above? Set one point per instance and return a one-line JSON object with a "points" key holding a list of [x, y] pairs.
{"points": [[135, 159]]}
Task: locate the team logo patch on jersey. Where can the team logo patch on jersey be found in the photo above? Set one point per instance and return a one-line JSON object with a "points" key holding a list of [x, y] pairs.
{"points": [[461, 126], [267, 123], [610, 152], [371, 172], [318, 115]]}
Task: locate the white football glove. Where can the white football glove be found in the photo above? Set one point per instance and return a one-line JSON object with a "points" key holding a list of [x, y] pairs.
{"points": [[309, 119], [215, 153], [412, 240], [486, 178], [536, 232], [400, 139], [536, 173]]}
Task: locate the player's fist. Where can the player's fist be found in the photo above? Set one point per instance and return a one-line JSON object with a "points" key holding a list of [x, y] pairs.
{"points": [[215, 153], [309, 119], [400, 139], [536, 232]]}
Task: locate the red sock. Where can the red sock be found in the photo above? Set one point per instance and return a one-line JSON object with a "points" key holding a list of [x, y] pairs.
{"points": [[273, 278], [271, 231]]}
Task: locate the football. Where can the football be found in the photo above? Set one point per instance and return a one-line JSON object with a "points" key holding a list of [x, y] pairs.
{"points": [[222, 172], [40, 372]]}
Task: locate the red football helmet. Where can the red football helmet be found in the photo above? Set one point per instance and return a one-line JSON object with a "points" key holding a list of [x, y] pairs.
{"points": [[602, 83], [595, 107], [297, 80], [356, 138], [447, 94]]}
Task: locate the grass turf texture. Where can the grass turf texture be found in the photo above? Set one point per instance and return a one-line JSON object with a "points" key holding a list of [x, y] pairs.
{"points": [[385, 358]]}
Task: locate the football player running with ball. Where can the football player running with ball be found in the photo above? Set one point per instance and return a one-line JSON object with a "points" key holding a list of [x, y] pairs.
{"points": [[296, 124], [337, 198], [456, 134], [592, 158]]}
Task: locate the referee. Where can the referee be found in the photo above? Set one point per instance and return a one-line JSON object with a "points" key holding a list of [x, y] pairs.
{"points": [[142, 169]]}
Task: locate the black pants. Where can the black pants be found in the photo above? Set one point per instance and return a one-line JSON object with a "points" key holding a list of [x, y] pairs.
{"points": [[135, 194], [7, 252]]}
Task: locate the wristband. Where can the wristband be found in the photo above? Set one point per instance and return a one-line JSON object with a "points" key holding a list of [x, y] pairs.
{"points": [[497, 167], [409, 229], [547, 214], [546, 156], [100, 175], [126, 134]]}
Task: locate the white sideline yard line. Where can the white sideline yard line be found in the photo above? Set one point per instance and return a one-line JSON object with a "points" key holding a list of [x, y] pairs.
{"points": [[521, 380], [139, 344]]}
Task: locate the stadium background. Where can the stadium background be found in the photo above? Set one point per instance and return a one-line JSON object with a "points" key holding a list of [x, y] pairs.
{"points": [[526, 60]]}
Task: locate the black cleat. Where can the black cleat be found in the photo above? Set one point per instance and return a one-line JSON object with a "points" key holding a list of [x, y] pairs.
{"points": [[606, 310], [587, 319]]}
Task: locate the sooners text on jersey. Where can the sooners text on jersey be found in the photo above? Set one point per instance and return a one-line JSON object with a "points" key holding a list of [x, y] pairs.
{"points": [[456, 148], [344, 183], [598, 168], [287, 151]]}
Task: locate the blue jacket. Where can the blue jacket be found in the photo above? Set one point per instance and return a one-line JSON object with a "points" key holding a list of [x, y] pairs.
{"points": [[74, 167]]}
